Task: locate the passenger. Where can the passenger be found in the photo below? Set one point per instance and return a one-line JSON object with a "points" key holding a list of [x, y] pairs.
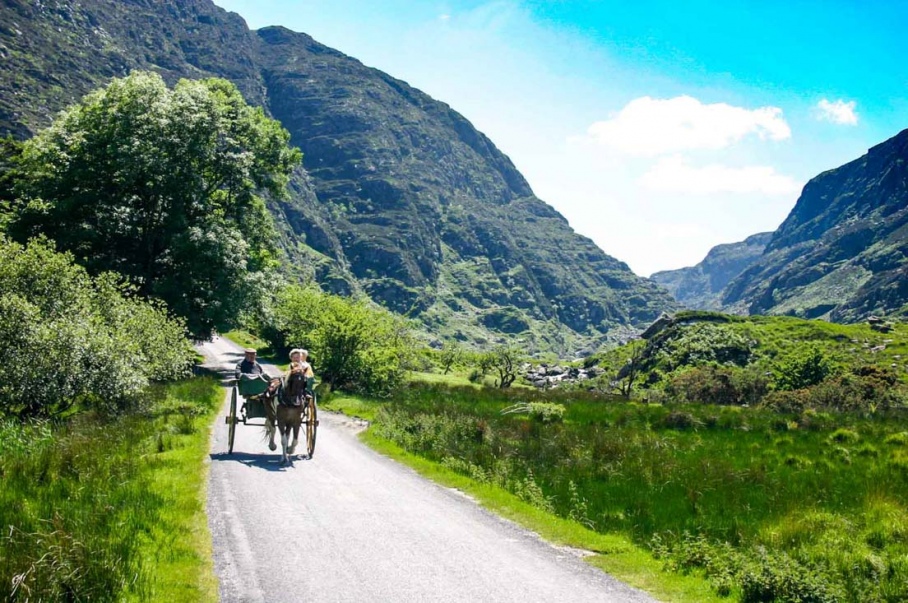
{"points": [[299, 365]]}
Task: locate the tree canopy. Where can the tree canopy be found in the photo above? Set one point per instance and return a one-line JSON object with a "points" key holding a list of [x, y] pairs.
{"points": [[163, 186]]}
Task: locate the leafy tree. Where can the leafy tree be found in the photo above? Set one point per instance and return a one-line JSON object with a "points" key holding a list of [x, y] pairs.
{"points": [[354, 344], [163, 187], [451, 354], [10, 151], [70, 340]]}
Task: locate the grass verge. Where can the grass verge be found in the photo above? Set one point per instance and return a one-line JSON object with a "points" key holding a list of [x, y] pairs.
{"points": [[101, 509]]}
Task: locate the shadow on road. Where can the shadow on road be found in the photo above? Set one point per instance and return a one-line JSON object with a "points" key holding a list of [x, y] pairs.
{"points": [[268, 462]]}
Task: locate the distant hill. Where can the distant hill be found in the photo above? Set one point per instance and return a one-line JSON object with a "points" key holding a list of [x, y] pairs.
{"points": [[400, 197], [841, 254], [700, 287]]}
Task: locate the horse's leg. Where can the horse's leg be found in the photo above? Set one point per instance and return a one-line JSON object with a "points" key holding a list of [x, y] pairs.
{"points": [[270, 421], [285, 434], [296, 436]]}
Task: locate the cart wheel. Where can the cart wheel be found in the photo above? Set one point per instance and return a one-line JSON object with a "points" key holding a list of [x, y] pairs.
{"points": [[311, 425], [231, 421]]}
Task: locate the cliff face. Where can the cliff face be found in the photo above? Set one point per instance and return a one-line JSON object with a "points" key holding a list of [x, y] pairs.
{"points": [[841, 253], [400, 197], [700, 287]]}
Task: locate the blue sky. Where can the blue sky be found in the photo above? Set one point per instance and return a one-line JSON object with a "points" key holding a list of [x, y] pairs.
{"points": [[658, 129]]}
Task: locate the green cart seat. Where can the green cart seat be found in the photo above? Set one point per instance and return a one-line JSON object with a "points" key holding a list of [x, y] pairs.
{"points": [[249, 385]]}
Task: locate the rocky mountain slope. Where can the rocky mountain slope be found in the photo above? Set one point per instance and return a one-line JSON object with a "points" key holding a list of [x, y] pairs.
{"points": [[842, 253], [700, 287], [400, 197]]}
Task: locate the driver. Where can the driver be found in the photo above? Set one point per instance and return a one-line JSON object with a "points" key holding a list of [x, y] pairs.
{"points": [[249, 366]]}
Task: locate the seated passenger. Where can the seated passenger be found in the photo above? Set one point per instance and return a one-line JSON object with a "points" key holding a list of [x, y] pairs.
{"points": [[300, 366]]}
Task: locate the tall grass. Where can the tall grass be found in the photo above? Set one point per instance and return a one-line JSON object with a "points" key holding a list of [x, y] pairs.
{"points": [[85, 507], [808, 507]]}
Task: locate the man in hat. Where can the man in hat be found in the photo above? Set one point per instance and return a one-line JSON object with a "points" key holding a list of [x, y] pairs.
{"points": [[249, 366]]}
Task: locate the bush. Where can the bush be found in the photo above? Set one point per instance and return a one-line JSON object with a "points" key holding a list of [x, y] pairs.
{"points": [[787, 401], [718, 385], [352, 344], [781, 578], [803, 369], [700, 344], [72, 340]]}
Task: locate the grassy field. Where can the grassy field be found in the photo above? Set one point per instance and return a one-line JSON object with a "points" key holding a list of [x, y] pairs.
{"points": [[110, 510], [767, 507]]}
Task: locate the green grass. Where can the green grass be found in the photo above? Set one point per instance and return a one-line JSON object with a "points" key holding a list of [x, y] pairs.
{"points": [[807, 507], [452, 378], [110, 509]]}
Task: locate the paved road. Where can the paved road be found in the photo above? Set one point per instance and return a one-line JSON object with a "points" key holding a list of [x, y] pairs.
{"points": [[352, 525]]}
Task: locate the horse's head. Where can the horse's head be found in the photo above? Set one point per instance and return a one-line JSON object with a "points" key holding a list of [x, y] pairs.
{"points": [[294, 389]]}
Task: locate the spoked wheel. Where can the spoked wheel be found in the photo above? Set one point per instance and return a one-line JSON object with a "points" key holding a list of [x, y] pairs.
{"points": [[311, 425], [231, 421]]}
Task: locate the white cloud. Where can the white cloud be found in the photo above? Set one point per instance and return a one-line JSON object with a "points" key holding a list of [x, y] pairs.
{"points": [[838, 112], [648, 126], [674, 174]]}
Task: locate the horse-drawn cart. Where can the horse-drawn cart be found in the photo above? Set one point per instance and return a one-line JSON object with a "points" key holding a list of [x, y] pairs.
{"points": [[258, 398]]}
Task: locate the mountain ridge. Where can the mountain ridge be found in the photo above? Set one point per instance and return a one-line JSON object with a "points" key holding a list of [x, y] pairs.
{"points": [[399, 196], [842, 253]]}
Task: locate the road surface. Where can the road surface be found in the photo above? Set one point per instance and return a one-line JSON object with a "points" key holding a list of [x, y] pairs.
{"points": [[351, 525]]}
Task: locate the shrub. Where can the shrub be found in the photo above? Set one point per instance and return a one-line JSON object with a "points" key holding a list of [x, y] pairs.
{"points": [[803, 369], [781, 578], [72, 340], [719, 385], [700, 344], [786, 401]]}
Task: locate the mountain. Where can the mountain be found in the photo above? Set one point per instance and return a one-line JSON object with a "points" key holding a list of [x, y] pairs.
{"points": [[841, 253], [700, 287], [400, 196]]}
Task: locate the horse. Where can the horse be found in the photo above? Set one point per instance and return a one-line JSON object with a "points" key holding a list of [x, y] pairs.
{"points": [[286, 410]]}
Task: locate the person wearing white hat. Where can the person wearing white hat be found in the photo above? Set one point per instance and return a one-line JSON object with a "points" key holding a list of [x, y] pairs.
{"points": [[299, 364]]}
